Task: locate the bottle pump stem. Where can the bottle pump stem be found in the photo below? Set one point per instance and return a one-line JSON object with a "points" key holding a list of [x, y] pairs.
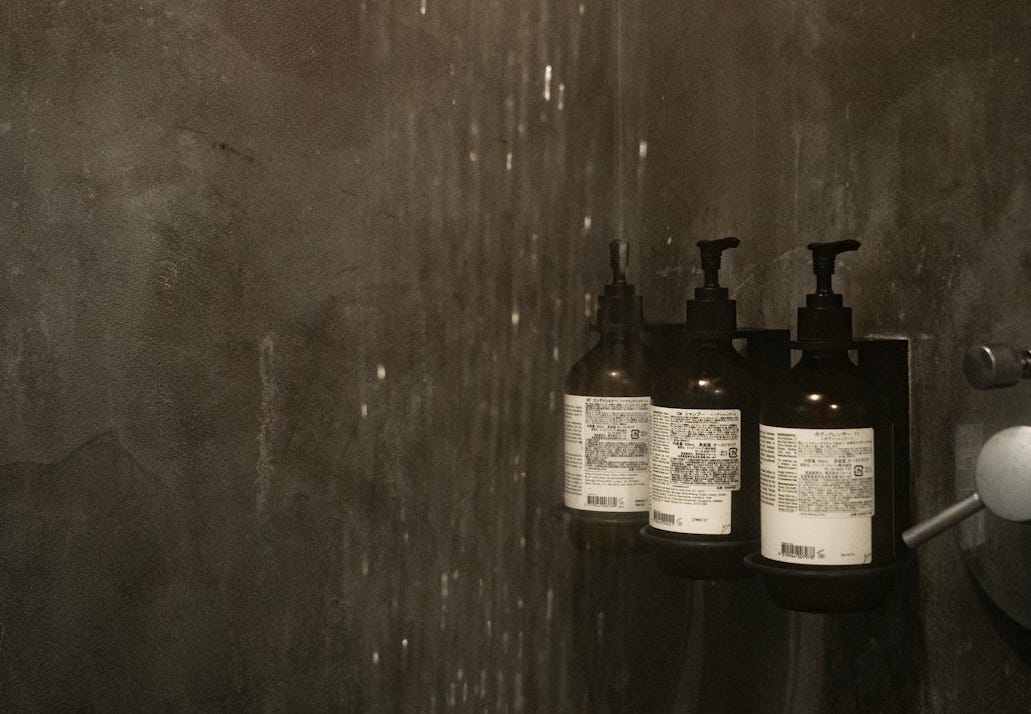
{"points": [[712, 252], [824, 320], [620, 308], [619, 257], [711, 313], [824, 255]]}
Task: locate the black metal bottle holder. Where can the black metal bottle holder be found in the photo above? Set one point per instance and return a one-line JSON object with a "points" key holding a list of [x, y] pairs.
{"points": [[885, 363], [768, 354]]}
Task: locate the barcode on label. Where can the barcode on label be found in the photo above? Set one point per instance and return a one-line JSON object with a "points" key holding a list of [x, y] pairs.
{"points": [[607, 501], [807, 552], [665, 518]]}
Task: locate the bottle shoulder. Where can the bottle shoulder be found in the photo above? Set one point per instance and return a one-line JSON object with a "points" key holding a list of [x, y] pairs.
{"points": [[836, 397], [715, 379], [612, 369]]}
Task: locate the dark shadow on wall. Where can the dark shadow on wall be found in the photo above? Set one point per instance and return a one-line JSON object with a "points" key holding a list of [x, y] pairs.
{"points": [[104, 604]]}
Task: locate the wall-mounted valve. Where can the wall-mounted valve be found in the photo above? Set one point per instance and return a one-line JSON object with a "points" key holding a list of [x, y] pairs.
{"points": [[1002, 476], [996, 365]]}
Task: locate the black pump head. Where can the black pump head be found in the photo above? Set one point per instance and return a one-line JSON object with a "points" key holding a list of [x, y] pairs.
{"points": [[620, 308], [824, 317], [824, 255], [712, 311], [711, 251]]}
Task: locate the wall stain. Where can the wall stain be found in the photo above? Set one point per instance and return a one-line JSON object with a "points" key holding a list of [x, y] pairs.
{"points": [[266, 432]]}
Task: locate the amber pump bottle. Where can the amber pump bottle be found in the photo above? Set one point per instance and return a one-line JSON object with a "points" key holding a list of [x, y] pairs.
{"points": [[607, 395], [704, 440], [826, 452]]}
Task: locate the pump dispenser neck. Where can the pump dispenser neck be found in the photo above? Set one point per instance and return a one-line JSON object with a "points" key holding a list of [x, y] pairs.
{"points": [[619, 257], [825, 320], [711, 313], [620, 308]]}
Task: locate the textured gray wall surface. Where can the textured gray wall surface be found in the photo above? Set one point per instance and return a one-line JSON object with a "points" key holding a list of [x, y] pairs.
{"points": [[289, 291]]}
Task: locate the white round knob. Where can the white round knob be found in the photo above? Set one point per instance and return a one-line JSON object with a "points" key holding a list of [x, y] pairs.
{"points": [[1003, 474]]}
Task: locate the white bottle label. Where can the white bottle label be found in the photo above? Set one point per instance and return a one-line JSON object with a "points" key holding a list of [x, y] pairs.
{"points": [[606, 453], [696, 466], [817, 494]]}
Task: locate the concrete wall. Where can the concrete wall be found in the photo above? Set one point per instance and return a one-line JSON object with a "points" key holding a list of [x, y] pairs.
{"points": [[290, 289]]}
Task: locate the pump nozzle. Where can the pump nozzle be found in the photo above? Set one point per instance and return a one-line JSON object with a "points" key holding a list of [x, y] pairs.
{"points": [[712, 250], [620, 307], [619, 257], [824, 317], [712, 311], [823, 261]]}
